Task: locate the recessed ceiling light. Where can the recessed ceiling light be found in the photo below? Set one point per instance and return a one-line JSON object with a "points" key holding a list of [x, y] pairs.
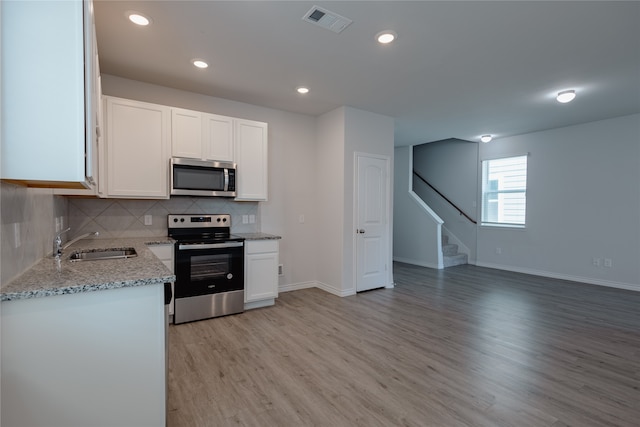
{"points": [[486, 138], [302, 90], [385, 37], [199, 63], [566, 96], [138, 18]]}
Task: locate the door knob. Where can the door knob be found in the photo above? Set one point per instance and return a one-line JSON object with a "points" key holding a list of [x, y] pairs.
{"points": [[361, 231]]}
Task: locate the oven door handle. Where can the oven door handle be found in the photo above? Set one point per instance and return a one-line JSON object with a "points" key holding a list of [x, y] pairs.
{"points": [[210, 245]]}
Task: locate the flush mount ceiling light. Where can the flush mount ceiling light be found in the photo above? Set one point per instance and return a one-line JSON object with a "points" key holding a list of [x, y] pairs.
{"points": [[302, 90], [138, 18], [486, 138], [199, 63], [386, 37], [566, 96]]}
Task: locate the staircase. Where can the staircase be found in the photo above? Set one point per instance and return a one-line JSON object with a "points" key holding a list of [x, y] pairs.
{"points": [[450, 254]]}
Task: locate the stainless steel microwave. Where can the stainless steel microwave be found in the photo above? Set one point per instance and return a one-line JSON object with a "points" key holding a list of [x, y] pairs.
{"points": [[191, 177]]}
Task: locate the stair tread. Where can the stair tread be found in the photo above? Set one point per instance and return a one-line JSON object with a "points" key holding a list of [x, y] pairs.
{"points": [[453, 260]]}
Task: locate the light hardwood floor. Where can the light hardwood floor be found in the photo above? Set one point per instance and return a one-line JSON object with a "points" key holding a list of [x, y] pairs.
{"points": [[465, 346]]}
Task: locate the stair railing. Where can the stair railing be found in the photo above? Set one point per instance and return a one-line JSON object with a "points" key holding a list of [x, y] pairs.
{"points": [[445, 198]]}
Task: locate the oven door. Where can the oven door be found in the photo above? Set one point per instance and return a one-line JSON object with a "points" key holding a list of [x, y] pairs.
{"points": [[208, 268]]}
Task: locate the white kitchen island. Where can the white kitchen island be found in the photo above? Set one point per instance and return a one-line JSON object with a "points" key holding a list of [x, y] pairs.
{"points": [[88, 348]]}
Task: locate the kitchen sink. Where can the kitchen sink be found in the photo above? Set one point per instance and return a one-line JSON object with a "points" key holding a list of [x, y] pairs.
{"points": [[98, 254]]}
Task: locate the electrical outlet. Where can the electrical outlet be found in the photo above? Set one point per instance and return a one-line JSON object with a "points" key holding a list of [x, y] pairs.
{"points": [[498, 251], [280, 270], [596, 262], [148, 220], [608, 262], [252, 219], [245, 219]]}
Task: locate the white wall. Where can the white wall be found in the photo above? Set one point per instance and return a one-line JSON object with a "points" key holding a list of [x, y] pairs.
{"points": [[341, 134], [292, 172], [330, 160], [416, 228], [583, 202], [366, 133]]}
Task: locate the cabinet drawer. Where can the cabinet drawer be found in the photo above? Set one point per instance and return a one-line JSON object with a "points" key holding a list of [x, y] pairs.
{"points": [[261, 246]]}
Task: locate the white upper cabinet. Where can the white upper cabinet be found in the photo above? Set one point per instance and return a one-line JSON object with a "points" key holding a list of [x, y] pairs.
{"points": [[137, 149], [186, 133], [251, 150], [203, 136], [48, 116], [217, 137]]}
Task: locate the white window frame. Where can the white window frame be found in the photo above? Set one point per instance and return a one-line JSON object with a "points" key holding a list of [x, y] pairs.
{"points": [[499, 192]]}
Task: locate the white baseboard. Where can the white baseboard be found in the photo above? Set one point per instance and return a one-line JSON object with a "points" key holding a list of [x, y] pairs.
{"points": [[588, 280], [296, 286], [316, 284]]}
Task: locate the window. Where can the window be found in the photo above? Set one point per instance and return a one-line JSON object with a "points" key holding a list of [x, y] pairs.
{"points": [[504, 191]]}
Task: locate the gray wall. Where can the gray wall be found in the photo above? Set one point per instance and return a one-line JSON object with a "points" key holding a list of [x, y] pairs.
{"points": [[583, 202], [451, 166], [416, 230], [32, 212]]}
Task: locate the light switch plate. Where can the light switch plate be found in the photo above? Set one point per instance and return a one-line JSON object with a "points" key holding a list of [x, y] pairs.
{"points": [[148, 220]]}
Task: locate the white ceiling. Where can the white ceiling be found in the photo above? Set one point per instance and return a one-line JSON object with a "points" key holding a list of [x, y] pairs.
{"points": [[457, 70]]}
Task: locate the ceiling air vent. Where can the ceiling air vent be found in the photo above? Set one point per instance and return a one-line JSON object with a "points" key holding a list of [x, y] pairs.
{"points": [[326, 19]]}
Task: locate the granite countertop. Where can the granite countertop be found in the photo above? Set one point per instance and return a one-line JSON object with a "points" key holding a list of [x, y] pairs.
{"points": [[43, 279], [257, 236]]}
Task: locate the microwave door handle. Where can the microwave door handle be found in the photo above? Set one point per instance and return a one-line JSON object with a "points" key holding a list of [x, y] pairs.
{"points": [[226, 179]]}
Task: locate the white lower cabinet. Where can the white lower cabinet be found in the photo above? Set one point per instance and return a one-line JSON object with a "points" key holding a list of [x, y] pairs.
{"points": [[85, 359], [164, 252], [260, 272], [137, 149]]}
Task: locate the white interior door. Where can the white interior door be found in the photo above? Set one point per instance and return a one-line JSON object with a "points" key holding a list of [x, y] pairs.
{"points": [[372, 222]]}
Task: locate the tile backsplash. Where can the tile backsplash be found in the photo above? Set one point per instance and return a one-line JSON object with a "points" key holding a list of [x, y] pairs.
{"points": [[27, 221], [126, 218]]}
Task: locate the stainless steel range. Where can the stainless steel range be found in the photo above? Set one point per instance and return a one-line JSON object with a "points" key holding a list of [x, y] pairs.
{"points": [[209, 267]]}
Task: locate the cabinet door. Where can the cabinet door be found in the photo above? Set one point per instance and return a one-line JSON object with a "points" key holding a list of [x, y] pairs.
{"points": [[261, 276], [137, 149], [217, 137], [186, 133], [43, 106], [251, 158]]}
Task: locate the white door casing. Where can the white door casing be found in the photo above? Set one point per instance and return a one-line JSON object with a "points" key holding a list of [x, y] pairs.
{"points": [[372, 232]]}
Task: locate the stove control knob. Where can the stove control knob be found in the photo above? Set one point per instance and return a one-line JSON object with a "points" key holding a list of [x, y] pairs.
{"points": [[175, 219], [181, 219], [218, 219], [224, 220], [229, 276]]}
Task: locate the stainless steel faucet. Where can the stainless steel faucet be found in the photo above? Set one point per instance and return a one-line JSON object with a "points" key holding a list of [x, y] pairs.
{"points": [[57, 242]]}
